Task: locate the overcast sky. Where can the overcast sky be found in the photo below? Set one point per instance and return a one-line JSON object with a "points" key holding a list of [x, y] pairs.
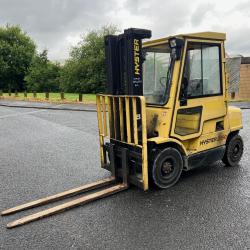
{"points": [[58, 24]]}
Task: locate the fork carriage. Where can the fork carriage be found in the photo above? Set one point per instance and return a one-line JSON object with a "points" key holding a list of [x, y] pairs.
{"points": [[123, 137]]}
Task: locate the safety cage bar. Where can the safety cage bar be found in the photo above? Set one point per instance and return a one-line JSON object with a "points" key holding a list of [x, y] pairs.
{"points": [[122, 120]]}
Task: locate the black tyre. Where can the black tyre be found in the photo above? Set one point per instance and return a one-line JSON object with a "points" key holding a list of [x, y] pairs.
{"points": [[167, 168], [234, 151]]}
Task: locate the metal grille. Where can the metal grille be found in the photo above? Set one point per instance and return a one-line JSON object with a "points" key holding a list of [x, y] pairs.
{"points": [[233, 70]]}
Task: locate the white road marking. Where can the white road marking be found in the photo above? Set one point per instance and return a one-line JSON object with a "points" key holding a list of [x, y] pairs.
{"points": [[20, 114], [27, 113]]}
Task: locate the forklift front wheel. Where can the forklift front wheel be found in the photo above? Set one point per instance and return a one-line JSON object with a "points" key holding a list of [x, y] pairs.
{"points": [[167, 168], [234, 151]]}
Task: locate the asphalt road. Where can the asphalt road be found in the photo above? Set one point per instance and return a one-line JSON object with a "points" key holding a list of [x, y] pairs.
{"points": [[43, 152]]}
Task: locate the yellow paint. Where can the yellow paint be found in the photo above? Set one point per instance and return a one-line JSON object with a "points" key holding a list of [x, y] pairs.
{"points": [[100, 127], [215, 36], [111, 132], [235, 118], [128, 120], [121, 118], [144, 145], [135, 121], [104, 116], [136, 57], [114, 116]]}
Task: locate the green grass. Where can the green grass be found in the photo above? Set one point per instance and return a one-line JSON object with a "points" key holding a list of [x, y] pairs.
{"points": [[53, 97]]}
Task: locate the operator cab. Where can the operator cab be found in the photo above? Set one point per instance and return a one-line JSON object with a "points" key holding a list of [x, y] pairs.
{"points": [[201, 74]]}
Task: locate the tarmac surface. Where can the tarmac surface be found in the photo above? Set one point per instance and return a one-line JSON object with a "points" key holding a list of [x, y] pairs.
{"points": [[43, 152]]}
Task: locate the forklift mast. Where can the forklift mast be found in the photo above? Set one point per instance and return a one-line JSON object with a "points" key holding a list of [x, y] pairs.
{"points": [[124, 60], [125, 125]]}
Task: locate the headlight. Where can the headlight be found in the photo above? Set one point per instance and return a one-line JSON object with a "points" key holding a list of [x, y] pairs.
{"points": [[172, 43], [176, 45], [176, 42]]}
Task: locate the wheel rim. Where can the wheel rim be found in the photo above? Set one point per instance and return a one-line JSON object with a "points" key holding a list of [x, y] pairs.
{"points": [[236, 151], [168, 170], [167, 167]]}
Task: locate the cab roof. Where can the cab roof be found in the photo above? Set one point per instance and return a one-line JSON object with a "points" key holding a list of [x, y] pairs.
{"points": [[208, 35]]}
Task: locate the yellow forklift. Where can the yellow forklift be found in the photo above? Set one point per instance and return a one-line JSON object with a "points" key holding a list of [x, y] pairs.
{"points": [[165, 111]]}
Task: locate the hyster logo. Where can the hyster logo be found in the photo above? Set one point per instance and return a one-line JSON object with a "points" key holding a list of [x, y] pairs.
{"points": [[214, 139], [136, 56]]}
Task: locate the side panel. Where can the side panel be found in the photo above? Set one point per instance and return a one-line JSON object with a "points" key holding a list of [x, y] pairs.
{"points": [[235, 118], [207, 141]]}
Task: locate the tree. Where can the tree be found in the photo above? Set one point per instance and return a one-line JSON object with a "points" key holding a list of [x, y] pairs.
{"points": [[85, 70], [16, 52], [43, 75]]}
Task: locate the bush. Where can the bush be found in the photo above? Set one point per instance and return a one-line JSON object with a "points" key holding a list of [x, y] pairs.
{"points": [[85, 70], [16, 53], [43, 75]]}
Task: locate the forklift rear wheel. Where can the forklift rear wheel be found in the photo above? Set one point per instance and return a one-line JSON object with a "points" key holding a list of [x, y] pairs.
{"points": [[234, 151], [167, 168]]}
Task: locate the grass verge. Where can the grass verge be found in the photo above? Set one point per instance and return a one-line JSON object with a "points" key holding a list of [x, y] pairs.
{"points": [[53, 97]]}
